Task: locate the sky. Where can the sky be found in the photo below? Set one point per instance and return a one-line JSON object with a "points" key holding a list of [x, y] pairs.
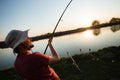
{"points": [[41, 16]]}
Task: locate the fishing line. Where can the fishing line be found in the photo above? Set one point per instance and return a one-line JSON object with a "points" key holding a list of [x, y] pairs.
{"points": [[57, 24]]}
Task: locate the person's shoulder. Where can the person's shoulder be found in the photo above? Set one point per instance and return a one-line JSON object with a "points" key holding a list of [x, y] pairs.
{"points": [[39, 54]]}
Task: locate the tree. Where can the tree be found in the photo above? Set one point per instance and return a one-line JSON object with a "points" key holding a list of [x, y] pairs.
{"points": [[115, 27], [96, 32], [95, 22], [114, 20]]}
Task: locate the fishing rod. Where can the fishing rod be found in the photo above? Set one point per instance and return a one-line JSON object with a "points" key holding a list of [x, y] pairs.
{"points": [[74, 62], [57, 24]]}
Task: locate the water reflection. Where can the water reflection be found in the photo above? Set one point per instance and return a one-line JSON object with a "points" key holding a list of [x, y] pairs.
{"points": [[115, 28], [75, 44], [96, 32]]}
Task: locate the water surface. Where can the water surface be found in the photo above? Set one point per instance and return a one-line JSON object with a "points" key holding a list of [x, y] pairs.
{"points": [[75, 44]]}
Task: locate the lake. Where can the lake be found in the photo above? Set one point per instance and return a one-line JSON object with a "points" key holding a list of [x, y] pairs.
{"points": [[75, 44]]}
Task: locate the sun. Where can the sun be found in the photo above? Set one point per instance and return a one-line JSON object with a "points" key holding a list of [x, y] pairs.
{"points": [[86, 21]]}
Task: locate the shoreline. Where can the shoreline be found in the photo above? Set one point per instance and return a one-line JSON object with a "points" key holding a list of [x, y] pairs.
{"points": [[100, 65], [67, 32]]}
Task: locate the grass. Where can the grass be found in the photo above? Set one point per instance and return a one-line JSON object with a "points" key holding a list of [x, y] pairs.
{"points": [[101, 65]]}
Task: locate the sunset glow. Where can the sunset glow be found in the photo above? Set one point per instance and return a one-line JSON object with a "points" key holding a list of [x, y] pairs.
{"points": [[88, 34], [86, 21], [41, 16]]}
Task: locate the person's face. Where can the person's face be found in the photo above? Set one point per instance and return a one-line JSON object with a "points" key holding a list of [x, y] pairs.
{"points": [[28, 43]]}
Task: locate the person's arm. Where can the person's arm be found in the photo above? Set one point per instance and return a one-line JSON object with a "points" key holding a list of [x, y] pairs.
{"points": [[54, 57]]}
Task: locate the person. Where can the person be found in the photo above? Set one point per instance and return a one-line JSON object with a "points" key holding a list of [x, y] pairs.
{"points": [[31, 65]]}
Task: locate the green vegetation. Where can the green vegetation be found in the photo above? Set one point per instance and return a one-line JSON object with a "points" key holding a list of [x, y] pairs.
{"points": [[101, 65]]}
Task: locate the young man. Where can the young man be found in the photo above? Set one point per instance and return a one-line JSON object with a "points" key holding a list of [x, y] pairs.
{"points": [[31, 66]]}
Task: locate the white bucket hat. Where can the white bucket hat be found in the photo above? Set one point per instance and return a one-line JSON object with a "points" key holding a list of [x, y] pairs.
{"points": [[15, 37]]}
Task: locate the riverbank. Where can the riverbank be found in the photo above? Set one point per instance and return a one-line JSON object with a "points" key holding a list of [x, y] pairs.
{"points": [[101, 65]]}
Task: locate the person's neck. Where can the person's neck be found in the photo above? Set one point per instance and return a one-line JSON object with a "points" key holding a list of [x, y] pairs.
{"points": [[25, 52]]}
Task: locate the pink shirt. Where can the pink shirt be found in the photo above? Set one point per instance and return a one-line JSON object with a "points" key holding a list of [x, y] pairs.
{"points": [[35, 67]]}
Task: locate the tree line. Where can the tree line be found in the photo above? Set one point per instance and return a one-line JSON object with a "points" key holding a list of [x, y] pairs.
{"points": [[113, 28], [114, 25]]}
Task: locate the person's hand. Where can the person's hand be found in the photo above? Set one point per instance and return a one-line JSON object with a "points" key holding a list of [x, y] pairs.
{"points": [[50, 40]]}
